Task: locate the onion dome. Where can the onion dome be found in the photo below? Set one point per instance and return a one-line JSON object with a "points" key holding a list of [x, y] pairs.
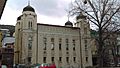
{"points": [[28, 8], [68, 23], [81, 16]]}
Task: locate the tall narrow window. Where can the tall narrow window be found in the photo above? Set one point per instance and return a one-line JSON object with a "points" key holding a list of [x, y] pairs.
{"points": [[29, 59], [60, 42], [66, 40], [73, 45], [29, 24], [60, 59], [74, 59], [67, 59], [85, 45], [86, 48], [30, 43], [67, 45], [52, 59], [86, 59], [52, 43], [67, 53], [44, 59], [52, 46], [59, 46], [85, 30], [45, 43]]}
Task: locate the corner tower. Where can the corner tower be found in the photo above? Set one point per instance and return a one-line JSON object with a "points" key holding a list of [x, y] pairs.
{"points": [[83, 24], [26, 34], [29, 18]]}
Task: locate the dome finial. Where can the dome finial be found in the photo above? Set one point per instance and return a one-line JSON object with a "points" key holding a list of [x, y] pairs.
{"points": [[68, 23], [29, 2], [28, 8], [68, 15]]}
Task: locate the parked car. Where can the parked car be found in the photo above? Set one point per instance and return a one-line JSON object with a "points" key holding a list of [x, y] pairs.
{"points": [[44, 65], [19, 66], [47, 66], [3, 66]]}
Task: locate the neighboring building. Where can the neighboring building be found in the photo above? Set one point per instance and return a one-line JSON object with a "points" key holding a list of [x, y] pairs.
{"points": [[7, 48], [44, 43], [7, 57], [2, 6], [9, 28], [5, 32], [111, 49], [5, 37], [1, 39], [109, 52]]}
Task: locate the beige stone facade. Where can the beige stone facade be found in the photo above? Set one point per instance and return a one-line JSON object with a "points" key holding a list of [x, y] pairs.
{"points": [[66, 46]]}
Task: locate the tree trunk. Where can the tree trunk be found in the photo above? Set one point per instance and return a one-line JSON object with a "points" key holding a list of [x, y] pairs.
{"points": [[100, 48]]}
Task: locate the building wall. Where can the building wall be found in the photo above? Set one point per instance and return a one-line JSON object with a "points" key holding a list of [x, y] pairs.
{"points": [[31, 41], [58, 33]]}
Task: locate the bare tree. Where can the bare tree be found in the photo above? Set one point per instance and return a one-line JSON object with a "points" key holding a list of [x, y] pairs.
{"points": [[104, 15]]}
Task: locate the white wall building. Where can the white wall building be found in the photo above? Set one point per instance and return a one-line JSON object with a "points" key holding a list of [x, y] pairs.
{"points": [[7, 40], [44, 43]]}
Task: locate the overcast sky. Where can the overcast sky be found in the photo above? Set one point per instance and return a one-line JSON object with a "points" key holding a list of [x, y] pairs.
{"points": [[48, 11]]}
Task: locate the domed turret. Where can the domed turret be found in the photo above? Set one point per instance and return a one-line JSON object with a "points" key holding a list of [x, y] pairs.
{"points": [[69, 24], [28, 8], [19, 18], [81, 16]]}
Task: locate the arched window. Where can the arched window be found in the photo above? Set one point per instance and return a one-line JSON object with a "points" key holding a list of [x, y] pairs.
{"points": [[45, 43], [73, 45], [52, 43], [85, 30], [60, 43], [67, 44], [30, 24], [86, 45], [30, 43]]}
